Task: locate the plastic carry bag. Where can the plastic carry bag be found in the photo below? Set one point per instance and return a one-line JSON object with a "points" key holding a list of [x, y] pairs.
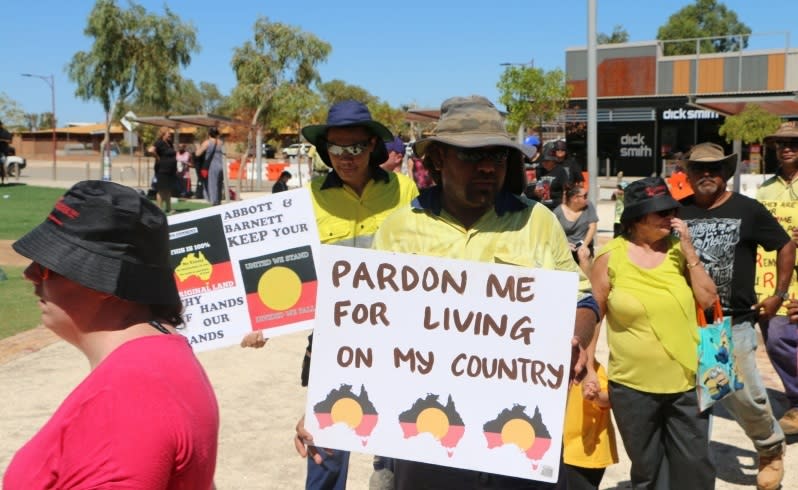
{"points": [[716, 377]]}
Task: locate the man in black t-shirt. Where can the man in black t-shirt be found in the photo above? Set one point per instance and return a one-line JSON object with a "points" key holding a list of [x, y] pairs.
{"points": [[727, 228], [551, 181]]}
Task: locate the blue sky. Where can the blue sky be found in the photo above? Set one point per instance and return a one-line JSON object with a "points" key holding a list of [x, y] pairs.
{"points": [[408, 52]]}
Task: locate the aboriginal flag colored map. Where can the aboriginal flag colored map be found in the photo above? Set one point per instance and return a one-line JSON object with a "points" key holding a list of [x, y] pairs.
{"points": [[514, 426], [430, 416], [343, 406], [199, 256], [280, 287]]}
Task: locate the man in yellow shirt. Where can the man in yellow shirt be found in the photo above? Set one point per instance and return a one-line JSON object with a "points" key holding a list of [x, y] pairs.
{"points": [[475, 213], [779, 333]]}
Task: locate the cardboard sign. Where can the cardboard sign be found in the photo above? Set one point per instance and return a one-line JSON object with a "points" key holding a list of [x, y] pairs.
{"points": [[244, 266], [449, 362], [786, 213]]}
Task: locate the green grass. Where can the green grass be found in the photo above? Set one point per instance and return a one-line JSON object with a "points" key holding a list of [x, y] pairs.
{"points": [[23, 207], [18, 304]]}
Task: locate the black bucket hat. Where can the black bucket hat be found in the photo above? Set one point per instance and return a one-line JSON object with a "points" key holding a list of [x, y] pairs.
{"points": [[109, 238], [645, 196], [349, 113]]}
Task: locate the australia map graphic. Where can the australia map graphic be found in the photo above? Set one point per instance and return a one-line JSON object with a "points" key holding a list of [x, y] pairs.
{"points": [[341, 405], [428, 415], [199, 256], [515, 426]]}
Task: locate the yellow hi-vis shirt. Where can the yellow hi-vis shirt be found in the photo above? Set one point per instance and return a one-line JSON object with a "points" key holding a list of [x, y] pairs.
{"points": [[777, 189], [344, 218], [512, 232]]}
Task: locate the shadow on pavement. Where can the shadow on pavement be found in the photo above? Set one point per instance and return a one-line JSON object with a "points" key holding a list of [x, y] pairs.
{"points": [[730, 461]]}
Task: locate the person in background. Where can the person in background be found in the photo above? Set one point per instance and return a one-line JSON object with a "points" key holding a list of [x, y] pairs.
{"points": [[5, 140], [282, 182], [146, 415], [779, 332], [551, 180], [579, 220], [350, 203], [568, 162], [589, 445], [647, 283], [165, 168], [183, 157], [396, 155], [212, 151], [617, 196], [475, 213], [727, 228]]}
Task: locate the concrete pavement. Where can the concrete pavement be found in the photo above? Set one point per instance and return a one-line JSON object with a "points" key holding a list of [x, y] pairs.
{"points": [[260, 399]]}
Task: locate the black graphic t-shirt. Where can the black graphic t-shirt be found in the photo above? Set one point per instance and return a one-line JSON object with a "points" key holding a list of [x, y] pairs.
{"points": [[726, 239]]}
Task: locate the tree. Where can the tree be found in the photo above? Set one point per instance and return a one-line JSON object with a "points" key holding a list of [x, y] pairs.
{"points": [[619, 35], [134, 53], [532, 96], [751, 125], [704, 18], [11, 113], [212, 100], [278, 55]]}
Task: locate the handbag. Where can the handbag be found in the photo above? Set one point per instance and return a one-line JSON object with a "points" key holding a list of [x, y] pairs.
{"points": [[716, 377]]}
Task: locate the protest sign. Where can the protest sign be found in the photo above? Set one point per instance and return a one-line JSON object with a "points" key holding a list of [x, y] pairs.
{"points": [[244, 266], [786, 213], [449, 362]]}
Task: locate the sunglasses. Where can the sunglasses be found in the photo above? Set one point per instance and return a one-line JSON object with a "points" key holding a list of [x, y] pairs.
{"points": [[707, 167], [665, 213], [354, 149], [473, 155], [791, 144]]}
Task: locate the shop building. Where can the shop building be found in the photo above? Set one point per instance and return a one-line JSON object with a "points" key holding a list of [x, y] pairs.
{"points": [[652, 106]]}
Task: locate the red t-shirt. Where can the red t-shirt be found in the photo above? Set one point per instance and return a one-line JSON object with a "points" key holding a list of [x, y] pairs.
{"points": [[145, 418]]}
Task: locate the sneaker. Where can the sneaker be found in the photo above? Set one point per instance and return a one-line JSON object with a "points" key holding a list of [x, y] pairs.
{"points": [[789, 422], [771, 470]]}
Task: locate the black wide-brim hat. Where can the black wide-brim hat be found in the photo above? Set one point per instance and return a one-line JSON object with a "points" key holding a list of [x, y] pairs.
{"points": [[349, 113], [645, 196], [106, 237]]}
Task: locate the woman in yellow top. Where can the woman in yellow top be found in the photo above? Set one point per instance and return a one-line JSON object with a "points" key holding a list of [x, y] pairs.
{"points": [[647, 281]]}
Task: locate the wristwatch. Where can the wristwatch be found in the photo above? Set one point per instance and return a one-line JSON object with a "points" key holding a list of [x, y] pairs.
{"points": [[784, 295]]}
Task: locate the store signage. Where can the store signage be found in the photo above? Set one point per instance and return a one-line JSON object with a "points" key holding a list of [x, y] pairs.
{"points": [[634, 146], [688, 114]]}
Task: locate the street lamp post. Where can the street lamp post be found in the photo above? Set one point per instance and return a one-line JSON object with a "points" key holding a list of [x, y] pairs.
{"points": [[49, 80]]}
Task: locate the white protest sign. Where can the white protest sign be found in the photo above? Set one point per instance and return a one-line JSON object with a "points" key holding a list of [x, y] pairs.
{"points": [[444, 361], [244, 266]]}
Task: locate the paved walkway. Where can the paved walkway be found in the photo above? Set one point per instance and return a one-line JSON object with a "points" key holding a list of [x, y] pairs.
{"points": [[260, 401]]}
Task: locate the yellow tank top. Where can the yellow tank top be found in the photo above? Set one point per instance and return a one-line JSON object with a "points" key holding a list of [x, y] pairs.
{"points": [[651, 322]]}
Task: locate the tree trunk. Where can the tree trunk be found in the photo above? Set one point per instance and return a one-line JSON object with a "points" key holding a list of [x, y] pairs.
{"points": [[243, 160]]}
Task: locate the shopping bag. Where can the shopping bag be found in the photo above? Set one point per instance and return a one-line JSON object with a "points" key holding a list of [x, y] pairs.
{"points": [[716, 377]]}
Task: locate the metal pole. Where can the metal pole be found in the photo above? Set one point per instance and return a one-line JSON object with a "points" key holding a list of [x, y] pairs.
{"points": [[592, 105], [49, 80]]}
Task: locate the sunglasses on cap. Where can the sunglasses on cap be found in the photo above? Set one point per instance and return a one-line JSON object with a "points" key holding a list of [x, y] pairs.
{"points": [[705, 167], [473, 155], [354, 149]]}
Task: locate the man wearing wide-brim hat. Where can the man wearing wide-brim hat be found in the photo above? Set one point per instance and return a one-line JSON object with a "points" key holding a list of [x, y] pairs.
{"points": [[475, 213], [727, 228], [350, 203], [781, 334]]}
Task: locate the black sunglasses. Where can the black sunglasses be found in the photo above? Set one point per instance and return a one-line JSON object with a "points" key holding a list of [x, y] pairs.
{"points": [[666, 212], [705, 167], [782, 144], [498, 156]]}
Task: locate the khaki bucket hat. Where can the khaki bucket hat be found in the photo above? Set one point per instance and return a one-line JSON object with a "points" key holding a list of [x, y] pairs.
{"points": [[787, 131], [471, 122], [711, 153]]}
